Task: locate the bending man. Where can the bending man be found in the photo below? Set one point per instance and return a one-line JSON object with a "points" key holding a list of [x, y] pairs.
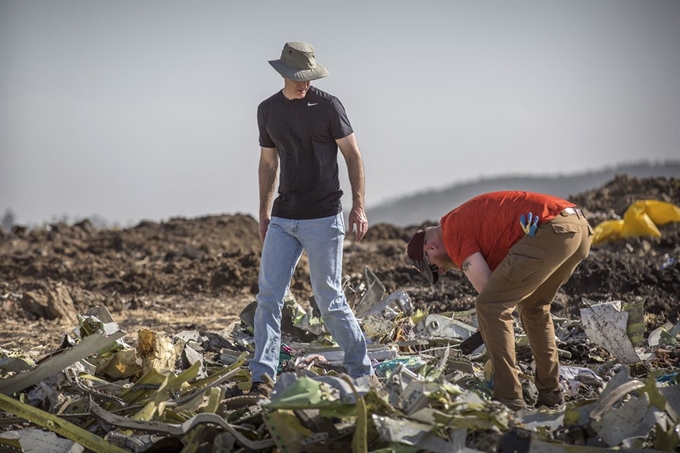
{"points": [[517, 249]]}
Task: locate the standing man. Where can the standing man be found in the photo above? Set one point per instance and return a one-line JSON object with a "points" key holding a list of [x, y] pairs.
{"points": [[517, 249], [301, 129]]}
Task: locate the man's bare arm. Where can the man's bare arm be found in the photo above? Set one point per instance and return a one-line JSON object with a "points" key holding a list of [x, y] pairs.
{"points": [[269, 165], [476, 270], [355, 169]]}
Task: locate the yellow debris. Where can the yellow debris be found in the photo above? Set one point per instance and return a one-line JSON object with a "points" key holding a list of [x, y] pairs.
{"points": [[641, 219]]}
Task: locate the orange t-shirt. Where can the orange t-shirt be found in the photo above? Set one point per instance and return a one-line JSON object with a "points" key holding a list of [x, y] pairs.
{"points": [[489, 223]]}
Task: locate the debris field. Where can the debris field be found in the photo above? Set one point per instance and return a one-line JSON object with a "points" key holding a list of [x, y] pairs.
{"points": [[138, 339]]}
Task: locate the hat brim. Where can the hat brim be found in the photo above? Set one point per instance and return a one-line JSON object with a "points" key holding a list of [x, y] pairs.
{"points": [[425, 269], [300, 75]]}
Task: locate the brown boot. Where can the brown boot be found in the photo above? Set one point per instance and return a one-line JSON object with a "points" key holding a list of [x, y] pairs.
{"points": [[550, 398], [261, 389], [514, 404]]}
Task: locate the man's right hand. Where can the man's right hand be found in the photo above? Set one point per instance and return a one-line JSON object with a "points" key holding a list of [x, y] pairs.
{"points": [[358, 221], [264, 224]]}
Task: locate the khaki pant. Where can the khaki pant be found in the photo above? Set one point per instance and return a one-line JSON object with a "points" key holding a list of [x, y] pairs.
{"points": [[528, 279]]}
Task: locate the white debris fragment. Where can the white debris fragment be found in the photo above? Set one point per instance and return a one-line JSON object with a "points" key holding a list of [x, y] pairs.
{"points": [[605, 324]]}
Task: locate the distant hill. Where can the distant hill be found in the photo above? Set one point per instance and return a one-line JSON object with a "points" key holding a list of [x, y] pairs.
{"points": [[431, 205]]}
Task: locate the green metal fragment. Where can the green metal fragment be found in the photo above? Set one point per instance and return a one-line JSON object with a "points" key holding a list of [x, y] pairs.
{"points": [[360, 439], [57, 425]]}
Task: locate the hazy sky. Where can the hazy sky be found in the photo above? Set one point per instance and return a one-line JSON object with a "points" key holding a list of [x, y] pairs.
{"points": [[146, 109]]}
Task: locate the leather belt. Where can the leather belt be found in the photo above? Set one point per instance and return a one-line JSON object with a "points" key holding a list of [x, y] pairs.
{"points": [[573, 211]]}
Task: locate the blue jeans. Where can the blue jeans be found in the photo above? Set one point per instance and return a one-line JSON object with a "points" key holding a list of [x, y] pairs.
{"points": [[283, 245]]}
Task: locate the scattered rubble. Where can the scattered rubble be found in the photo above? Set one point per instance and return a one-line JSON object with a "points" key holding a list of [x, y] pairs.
{"points": [[188, 392], [178, 381]]}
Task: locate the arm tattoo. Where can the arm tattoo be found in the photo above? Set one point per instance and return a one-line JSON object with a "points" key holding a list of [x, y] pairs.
{"points": [[466, 266]]}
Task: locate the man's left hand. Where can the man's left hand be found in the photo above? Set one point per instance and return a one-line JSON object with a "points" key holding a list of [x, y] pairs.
{"points": [[357, 218]]}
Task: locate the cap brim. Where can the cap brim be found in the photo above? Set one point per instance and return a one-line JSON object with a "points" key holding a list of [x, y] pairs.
{"points": [[425, 269], [300, 75]]}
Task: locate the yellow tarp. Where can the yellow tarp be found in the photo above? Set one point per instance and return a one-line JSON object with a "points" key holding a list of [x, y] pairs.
{"points": [[641, 219]]}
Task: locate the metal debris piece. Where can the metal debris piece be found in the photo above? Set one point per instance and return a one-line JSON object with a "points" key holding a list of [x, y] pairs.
{"points": [[410, 433], [606, 402], [14, 362], [535, 420], [178, 429], [635, 327], [286, 431], [375, 291], [157, 352], [377, 328], [575, 376], [396, 304], [190, 356], [439, 326], [10, 441], [386, 367], [88, 345], [633, 419], [472, 343], [293, 392], [336, 356], [655, 335], [360, 438], [72, 377], [32, 440], [606, 325], [57, 425], [121, 365]]}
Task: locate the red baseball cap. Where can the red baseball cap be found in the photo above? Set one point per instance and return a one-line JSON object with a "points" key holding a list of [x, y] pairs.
{"points": [[416, 257]]}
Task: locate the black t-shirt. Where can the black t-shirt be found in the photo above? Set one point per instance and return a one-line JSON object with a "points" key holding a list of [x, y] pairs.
{"points": [[304, 133]]}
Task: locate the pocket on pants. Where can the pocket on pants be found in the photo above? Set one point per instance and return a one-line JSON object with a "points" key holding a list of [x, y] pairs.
{"points": [[565, 228], [526, 262], [340, 224]]}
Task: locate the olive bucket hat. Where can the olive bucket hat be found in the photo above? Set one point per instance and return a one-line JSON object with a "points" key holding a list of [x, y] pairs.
{"points": [[298, 63]]}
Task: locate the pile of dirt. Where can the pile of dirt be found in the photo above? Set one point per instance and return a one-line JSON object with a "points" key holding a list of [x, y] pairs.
{"points": [[207, 268]]}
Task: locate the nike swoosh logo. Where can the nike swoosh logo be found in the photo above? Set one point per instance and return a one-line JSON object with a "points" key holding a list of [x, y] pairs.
{"points": [[309, 104]]}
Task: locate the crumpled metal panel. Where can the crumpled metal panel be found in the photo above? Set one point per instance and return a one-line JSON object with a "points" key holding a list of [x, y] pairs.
{"points": [[33, 440], [442, 327], [606, 325], [412, 433], [633, 419], [88, 345]]}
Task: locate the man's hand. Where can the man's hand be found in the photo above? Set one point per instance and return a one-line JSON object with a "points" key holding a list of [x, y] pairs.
{"points": [[264, 225], [357, 218]]}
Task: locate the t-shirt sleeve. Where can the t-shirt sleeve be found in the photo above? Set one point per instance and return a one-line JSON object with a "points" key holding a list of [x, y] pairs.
{"points": [[340, 125], [265, 140], [468, 246], [458, 242]]}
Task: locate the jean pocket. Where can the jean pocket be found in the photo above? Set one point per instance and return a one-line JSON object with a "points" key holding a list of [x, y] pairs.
{"points": [[339, 224], [527, 261]]}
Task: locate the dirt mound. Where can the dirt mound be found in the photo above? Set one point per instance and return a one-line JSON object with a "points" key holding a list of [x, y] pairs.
{"points": [[204, 270]]}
